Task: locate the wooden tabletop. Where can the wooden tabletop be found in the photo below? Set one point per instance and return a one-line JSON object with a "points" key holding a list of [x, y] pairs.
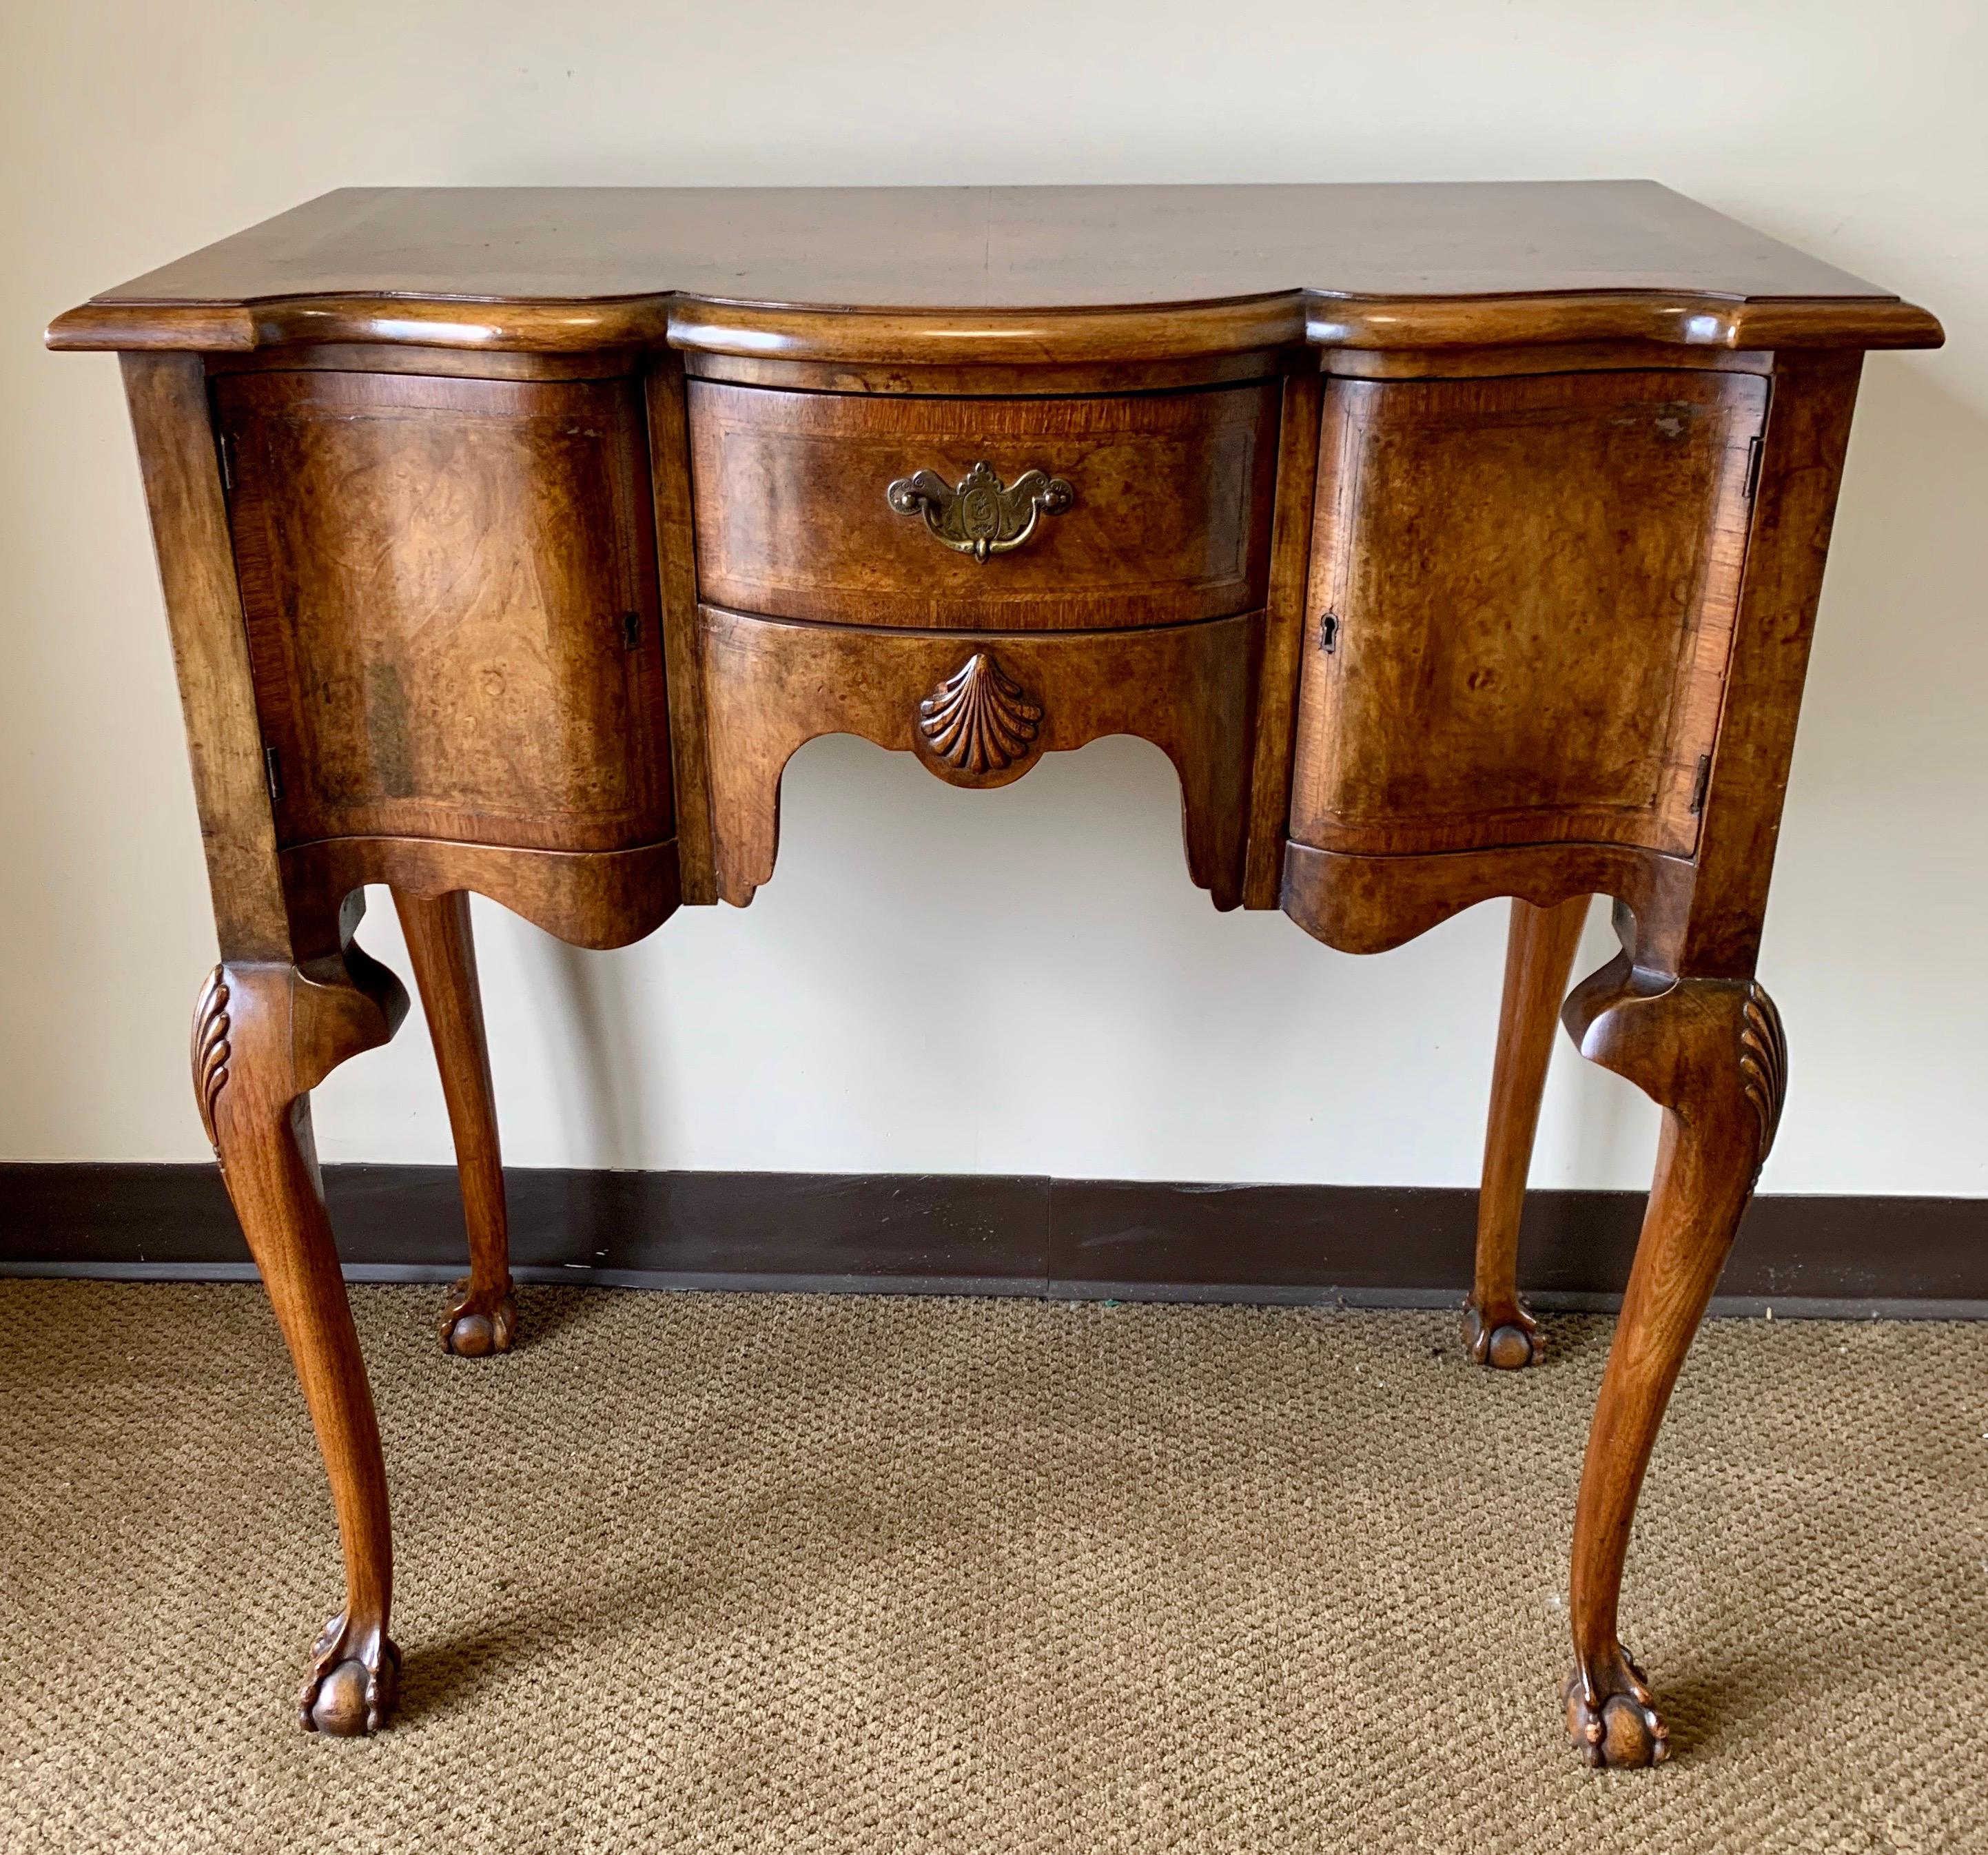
{"points": [[1001, 250]]}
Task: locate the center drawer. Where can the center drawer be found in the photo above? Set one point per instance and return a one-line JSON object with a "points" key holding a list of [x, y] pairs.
{"points": [[986, 513]]}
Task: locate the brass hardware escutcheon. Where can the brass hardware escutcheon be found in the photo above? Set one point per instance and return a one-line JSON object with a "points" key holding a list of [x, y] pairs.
{"points": [[980, 514]]}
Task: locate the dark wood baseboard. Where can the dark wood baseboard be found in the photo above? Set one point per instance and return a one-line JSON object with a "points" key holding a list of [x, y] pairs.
{"points": [[972, 1234]]}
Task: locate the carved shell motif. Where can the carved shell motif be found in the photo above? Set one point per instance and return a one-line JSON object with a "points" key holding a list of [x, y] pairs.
{"points": [[979, 719], [211, 1050], [1764, 1062]]}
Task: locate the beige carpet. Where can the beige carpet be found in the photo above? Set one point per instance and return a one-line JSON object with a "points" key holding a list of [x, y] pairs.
{"points": [[826, 1574]]}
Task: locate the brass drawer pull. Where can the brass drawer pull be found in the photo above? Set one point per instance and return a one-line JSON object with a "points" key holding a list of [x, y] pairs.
{"points": [[982, 516]]}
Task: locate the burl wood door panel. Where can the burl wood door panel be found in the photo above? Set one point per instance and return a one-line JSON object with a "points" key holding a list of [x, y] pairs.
{"points": [[1522, 603], [450, 591], [1167, 514]]}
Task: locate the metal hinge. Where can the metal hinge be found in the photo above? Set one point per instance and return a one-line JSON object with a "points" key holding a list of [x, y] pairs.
{"points": [[226, 468], [272, 771], [1755, 449], [1699, 785], [631, 631], [1328, 633]]}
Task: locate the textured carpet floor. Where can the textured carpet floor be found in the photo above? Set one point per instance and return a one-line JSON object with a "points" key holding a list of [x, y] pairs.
{"points": [[827, 1574]]}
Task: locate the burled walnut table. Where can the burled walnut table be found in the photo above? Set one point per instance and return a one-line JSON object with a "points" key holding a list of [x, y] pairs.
{"points": [[1453, 542]]}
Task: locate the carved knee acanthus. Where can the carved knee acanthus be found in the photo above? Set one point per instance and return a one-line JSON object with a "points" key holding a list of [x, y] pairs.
{"points": [[265, 1034], [1699, 1047], [1710, 1052]]}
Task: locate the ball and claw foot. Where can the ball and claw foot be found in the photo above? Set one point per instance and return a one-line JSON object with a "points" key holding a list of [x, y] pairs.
{"points": [[1508, 1340], [354, 1682], [472, 1328], [1619, 1729]]}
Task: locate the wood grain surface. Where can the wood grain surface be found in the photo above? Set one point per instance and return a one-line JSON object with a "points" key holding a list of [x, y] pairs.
{"points": [[1168, 521], [450, 588], [1452, 543], [481, 267], [770, 687], [1523, 594]]}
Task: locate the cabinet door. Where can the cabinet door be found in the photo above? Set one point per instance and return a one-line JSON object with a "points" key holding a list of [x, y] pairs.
{"points": [[450, 597], [1521, 602]]}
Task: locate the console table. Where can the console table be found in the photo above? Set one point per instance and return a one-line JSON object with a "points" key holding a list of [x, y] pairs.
{"points": [[1453, 542]]}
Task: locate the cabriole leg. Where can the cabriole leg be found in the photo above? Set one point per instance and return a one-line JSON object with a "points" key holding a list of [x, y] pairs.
{"points": [[1539, 955], [1710, 1052], [264, 1036], [482, 1315]]}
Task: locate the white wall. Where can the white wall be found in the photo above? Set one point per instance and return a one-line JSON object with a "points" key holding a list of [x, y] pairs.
{"points": [[1022, 980]]}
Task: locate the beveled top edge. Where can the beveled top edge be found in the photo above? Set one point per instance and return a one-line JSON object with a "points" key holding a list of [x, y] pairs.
{"points": [[1158, 331], [1016, 273]]}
